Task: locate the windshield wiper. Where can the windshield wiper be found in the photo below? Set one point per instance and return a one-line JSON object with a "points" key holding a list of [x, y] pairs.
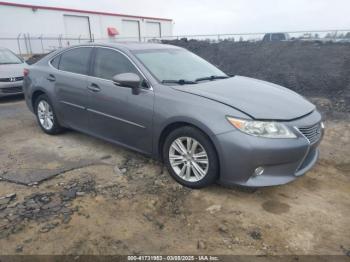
{"points": [[189, 82], [179, 82], [211, 78]]}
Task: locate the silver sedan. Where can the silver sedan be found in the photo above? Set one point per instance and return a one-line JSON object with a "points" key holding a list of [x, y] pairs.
{"points": [[166, 102], [11, 73]]}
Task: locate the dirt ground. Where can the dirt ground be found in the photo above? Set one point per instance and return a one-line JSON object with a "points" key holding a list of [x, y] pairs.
{"points": [[114, 201]]}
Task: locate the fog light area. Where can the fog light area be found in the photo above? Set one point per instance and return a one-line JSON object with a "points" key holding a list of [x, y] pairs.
{"points": [[259, 171]]}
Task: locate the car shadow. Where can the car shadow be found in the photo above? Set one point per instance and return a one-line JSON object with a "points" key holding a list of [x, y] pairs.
{"points": [[11, 99]]}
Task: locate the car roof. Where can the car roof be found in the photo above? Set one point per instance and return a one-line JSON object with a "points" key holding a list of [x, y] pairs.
{"points": [[123, 46], [133, 46]]}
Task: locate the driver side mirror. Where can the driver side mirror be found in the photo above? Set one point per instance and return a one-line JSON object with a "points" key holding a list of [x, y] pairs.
{"points": [[129, 80]]}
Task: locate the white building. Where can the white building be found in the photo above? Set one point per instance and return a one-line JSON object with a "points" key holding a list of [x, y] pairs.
{"points": [[36, 29]]}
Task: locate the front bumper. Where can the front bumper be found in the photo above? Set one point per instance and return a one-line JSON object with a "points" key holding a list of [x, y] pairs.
{"points": [[283, 160], [11, 88]]}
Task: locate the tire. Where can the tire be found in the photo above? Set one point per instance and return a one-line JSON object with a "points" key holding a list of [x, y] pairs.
{"points": [[51, 127], [183, 167]]}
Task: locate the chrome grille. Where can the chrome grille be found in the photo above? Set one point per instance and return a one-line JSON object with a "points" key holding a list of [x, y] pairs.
{"points": [[312, 133], [12, 79]]}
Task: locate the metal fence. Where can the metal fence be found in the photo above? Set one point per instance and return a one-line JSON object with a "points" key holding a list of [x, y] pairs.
{"points": [[321, 35], [27, 45]]}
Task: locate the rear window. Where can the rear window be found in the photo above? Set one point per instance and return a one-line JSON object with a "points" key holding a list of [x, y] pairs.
{"points": [[76, 60]]}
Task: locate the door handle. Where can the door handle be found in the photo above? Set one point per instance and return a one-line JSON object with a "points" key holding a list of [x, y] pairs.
{"points": [[94, 88], [51, 78]]}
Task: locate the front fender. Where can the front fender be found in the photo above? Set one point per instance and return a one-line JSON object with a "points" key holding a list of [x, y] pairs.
{"points": [[174, 107]]}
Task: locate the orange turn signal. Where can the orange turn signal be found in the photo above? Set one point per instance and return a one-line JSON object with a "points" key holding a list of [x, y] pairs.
{"points": [[236, 122]]}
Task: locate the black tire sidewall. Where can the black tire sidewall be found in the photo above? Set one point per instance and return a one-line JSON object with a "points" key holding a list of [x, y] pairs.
{"points": [[56, 128], [203, 139]]}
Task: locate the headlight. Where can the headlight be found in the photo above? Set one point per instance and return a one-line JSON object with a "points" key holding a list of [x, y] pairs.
{"points": [[262, 128]]}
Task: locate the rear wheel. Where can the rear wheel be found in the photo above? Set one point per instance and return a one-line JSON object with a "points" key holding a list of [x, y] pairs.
{"points": [[46, 116], [190, 157]]}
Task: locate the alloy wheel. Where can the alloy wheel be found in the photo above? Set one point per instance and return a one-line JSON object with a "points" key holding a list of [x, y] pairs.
{"points": [[45, 115], [188, 159]]}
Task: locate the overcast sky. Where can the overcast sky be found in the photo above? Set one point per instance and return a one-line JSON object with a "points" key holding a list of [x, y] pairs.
{"points": [[225, 16]]}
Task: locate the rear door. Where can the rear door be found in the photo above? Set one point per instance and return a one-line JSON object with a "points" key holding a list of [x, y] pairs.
{"points": [[114, 112], [71, 86]]}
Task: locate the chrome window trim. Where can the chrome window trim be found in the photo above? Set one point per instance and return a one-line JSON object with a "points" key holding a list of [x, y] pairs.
{"points": [[62, 52], [132, 62], [106, 47]]}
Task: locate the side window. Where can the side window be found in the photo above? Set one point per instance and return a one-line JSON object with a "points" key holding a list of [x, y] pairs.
{"points": [[76, 60], [109, 63], [55, 62]]}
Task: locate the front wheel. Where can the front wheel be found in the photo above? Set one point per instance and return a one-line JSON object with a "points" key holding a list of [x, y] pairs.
{"points": [[190, 157], [46, 116]]}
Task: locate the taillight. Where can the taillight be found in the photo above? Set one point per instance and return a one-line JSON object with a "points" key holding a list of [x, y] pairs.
{"points": [[25, 72]]}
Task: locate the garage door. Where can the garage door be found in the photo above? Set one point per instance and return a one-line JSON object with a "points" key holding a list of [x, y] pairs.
{"points": [[131, 30], [76, 26], [153, 29]]}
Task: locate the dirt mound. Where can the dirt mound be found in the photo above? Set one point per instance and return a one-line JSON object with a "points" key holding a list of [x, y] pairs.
{"points": [[312, 69]]}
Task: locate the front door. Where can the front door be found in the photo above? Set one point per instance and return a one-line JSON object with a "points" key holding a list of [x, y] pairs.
{"points": [[114, 112]]}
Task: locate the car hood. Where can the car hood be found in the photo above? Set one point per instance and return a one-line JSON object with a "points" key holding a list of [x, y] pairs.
{"points": [[11, 70], [256, 98]]}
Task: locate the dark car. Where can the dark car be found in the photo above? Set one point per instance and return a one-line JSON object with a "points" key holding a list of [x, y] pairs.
{"points": [[276, 37], [168, 103]]}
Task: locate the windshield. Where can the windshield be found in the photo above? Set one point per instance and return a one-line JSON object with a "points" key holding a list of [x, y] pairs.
{"points": [[7, 57], [177, 64]]}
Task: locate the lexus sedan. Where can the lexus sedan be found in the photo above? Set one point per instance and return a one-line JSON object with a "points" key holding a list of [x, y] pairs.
{"points": [[170, 104], [11, 73]]}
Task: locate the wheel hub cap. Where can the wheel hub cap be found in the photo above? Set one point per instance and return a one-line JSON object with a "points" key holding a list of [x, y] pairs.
{"points": [[188, 159]]}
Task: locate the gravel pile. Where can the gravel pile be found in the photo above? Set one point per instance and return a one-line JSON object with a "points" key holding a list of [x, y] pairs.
{"points": [[312, 69]]}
